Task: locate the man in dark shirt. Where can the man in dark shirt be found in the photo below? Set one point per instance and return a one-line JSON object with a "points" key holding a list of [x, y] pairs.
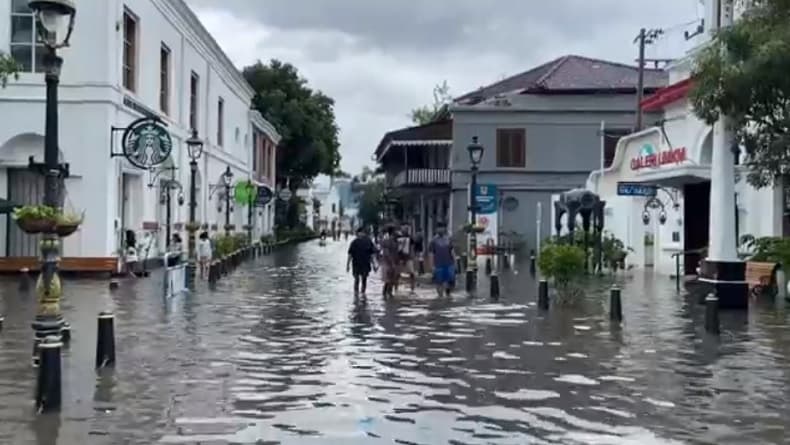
{"points": [[441, 249], [360, 257]]}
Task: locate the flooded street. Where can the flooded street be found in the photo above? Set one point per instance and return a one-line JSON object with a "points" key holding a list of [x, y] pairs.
{"points": [[282, 353]]}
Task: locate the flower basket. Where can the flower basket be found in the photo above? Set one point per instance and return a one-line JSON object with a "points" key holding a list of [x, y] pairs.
{"points": [[36, 225], [66, 229], [247, 227], [193, 227]]}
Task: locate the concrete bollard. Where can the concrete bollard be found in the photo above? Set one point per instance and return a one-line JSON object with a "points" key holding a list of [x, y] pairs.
{"points": [[48, 383], [105, 340], [488, 266], [712, 314], [615, 305], [543, 295], [65, 332], [494, 286]]}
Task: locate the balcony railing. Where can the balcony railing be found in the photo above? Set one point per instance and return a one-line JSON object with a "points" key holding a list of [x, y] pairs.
{"points": [[422, 177]]}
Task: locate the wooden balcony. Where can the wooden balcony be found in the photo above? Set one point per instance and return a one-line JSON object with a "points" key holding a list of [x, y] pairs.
{"points": [[422, 177]]}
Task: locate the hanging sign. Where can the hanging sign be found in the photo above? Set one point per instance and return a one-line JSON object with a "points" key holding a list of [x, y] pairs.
{"points": [[264, 196], [650, 157], [147, 143], [285, 194], [487, 202], [244, 192]]}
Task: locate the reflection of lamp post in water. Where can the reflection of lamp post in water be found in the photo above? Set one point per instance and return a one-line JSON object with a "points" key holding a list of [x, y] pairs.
{"points": [[475, 155]]}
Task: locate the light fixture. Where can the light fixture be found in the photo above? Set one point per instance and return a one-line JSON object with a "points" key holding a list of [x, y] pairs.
{"points": [[475, 151], [180, 199], [645, 217], [662, 217], [227, 177], [194, 146], [56, 18]]}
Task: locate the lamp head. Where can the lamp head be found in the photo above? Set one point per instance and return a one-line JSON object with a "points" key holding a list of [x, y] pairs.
{"points": [[194, 146], [57, 20]]}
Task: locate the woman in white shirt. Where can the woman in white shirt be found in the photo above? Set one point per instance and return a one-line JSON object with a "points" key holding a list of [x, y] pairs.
{"points": [[204, 253]]}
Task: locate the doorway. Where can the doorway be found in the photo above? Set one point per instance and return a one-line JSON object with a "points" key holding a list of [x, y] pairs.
{"points": [[696, 219]]}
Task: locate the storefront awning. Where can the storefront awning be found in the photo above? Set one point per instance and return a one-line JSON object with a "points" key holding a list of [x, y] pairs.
{"points": [[676, 177]]}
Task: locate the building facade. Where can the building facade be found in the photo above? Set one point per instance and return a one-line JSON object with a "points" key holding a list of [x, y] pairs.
{"points": [[128, 59], [674, 159], [543, 132]]}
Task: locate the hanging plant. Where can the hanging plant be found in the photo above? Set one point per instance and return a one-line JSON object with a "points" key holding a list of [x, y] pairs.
{"points": [[36, 218], [66, 223], [193, 227], [477, 228]]}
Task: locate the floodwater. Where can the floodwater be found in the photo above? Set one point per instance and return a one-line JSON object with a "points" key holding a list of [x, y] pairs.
{"points": [[281, 353]]}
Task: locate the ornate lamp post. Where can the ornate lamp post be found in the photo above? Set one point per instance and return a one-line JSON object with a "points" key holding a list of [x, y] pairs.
{"points": [[227, 180], [475, 156], [55, 24], [195, 149]]}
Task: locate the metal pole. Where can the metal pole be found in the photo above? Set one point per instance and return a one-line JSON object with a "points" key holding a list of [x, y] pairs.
{"points": [[249, 219], [539, 217], [49, 320], [168, 232], [227, 209], [471, 272], [640, 91], [192, 264]]}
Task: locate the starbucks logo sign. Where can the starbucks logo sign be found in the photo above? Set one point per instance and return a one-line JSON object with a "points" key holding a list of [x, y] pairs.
{"points": [[147, 143]]}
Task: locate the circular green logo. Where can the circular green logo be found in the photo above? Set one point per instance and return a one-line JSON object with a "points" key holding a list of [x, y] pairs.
{"points": [[147, 143]]}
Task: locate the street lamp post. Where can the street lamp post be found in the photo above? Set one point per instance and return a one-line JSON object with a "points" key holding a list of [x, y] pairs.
{"points": [[227, 179], [56, 23], [195, 149], [475, 156]]}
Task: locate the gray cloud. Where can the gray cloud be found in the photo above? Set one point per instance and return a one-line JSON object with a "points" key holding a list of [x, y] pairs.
{"points": [[381, 58]]}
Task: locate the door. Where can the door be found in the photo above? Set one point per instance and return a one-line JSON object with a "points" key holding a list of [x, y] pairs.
{"points": [[696, 218], [27, 188]]}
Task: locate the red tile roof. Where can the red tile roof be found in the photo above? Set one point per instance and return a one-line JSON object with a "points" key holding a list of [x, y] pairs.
{"points": [[666, 95], [571, 74]]}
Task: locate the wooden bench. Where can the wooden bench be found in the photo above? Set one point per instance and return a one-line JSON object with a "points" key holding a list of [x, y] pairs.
{"points": [[761, 277]]}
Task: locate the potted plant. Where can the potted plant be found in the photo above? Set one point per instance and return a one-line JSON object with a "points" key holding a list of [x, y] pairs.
{"points": [[67, 223], [36, 218]]}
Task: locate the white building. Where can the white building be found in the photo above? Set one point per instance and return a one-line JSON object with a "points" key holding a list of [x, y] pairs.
{"points": [[128, 59], [676, 157]]}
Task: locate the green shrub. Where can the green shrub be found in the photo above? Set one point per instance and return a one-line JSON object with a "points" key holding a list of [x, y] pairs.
{"points": [[225, 244], [614, 252], [564, 264], [772, 249]]}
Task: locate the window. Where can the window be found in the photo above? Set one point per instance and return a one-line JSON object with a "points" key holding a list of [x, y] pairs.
{"points": [[220, 120], [26, 47], [510, 147], [164, 79], [611, 138], [129, 51], [194, 84]]}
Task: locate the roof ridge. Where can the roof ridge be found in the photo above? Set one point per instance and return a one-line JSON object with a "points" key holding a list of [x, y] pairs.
{"points": [[508, 78], [613, 63], [558, 63]]}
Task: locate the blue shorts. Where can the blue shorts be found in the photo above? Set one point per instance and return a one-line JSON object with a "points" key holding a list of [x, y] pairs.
{"points": [[444, 274]]}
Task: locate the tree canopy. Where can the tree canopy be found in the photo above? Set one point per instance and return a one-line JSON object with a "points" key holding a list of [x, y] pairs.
{"points": [[441, 97], [304, 117], [743, 74], [370, 202]]}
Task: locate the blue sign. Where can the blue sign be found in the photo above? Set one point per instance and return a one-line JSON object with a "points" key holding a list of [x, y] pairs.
{"points": [[486, 199], [265, 196], [635, 189]]}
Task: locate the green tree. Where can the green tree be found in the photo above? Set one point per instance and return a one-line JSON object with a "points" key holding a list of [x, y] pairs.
{"points": [[304, 117], [743, 74], [8, 68], [370, 202], [441, 97]]}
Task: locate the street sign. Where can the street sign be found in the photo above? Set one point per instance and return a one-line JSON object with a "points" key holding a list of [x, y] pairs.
{"points": [[635, 189], [244, 192], [285, 194], [264, 196]]}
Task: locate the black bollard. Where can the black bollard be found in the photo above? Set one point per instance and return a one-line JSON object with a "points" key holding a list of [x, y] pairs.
{"points": [[543, 295], [48, 384], [532, 264], [712, 314], [24, 279], [2, 319], [494, 286], [65, 332], [615, 305], [470, 280], [105, 340], [506, 261], [114, 284], [488, 266]]}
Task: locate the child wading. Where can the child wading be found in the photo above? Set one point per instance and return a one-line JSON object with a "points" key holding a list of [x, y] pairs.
{"points": [[361, 253]]}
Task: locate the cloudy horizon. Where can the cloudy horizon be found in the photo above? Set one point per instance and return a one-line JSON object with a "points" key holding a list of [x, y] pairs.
{"points": [[381, 59]]}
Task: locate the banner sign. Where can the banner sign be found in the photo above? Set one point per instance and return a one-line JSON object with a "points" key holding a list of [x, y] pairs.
{"points": [[649, 157], [265, 196], [487, 203]]}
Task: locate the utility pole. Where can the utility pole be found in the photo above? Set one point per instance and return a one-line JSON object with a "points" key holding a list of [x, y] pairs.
{"points": [[645, 37]]}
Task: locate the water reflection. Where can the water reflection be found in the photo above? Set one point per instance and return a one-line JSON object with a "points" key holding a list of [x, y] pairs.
{"points": [[283, 352]]}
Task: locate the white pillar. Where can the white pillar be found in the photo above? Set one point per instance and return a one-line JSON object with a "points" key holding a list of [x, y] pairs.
{"points": [[722, 179]]}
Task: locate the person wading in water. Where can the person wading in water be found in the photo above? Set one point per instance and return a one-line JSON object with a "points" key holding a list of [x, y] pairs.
{"points": [[361, 254]]}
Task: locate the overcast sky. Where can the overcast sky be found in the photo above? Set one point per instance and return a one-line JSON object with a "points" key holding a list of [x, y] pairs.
{"points": [[380, 58]]}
